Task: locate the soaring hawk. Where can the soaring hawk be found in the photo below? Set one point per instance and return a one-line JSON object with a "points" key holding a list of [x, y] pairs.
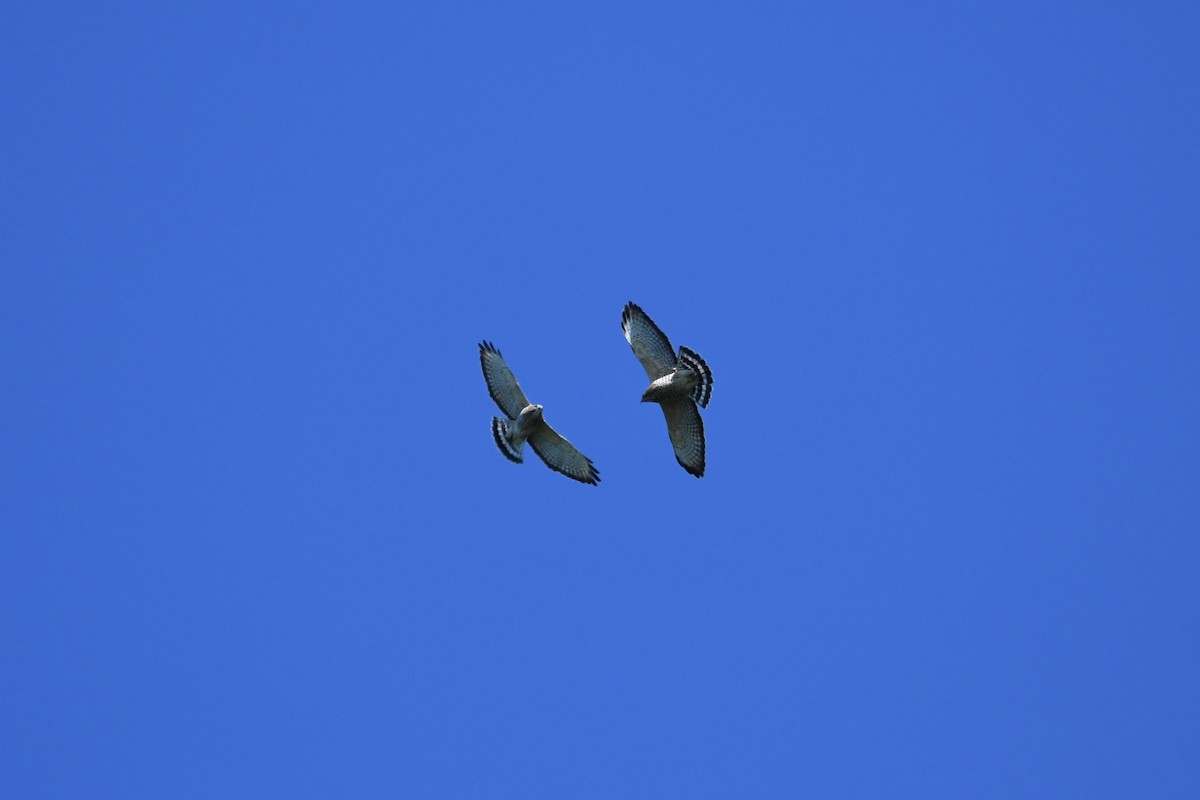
{"points": [[523, 422], [677, 383]]}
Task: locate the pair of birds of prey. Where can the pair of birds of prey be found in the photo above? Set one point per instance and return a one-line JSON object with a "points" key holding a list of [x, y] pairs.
{"points": [[678, 382]]}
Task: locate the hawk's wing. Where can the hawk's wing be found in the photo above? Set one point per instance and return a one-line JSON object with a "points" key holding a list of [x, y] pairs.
{"points": [[561, 456], [650, 345], [687, 433], [502, 384]]}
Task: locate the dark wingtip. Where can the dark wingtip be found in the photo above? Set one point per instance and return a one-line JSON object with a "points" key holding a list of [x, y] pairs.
{"points": [[593, 476], [630, 309]]}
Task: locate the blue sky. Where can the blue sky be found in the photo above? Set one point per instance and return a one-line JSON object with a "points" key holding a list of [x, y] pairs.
{"points": [[257, 538]]}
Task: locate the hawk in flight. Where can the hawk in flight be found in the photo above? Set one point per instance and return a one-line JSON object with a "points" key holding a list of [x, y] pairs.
{"points": [[677, 383], [522, 422]]}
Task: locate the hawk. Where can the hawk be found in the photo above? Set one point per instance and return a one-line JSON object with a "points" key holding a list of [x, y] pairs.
{"points": [[523, 422], [677, 383]]}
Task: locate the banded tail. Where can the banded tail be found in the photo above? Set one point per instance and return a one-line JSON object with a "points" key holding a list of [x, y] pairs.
{"points": [[702, 392], [512, 452]]}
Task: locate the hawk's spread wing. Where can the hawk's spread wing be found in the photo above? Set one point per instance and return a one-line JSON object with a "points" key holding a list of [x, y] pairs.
{"points": [[687, 433], [561, 456], [650, 345], [502, 384]]}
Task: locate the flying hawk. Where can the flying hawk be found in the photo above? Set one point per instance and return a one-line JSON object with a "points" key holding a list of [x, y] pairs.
{"points": [[523, 422], [677, 383]]}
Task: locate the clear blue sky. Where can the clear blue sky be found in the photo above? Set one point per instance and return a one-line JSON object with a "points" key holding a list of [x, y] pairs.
{"points": [[257, 540]]}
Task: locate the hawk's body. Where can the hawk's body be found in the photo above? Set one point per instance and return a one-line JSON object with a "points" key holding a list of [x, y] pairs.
{"points": [[523, 423], [677, 383]]}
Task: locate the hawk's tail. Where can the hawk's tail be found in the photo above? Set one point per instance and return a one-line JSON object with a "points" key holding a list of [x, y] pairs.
{"points": [[513, 452], [702, 393]]}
